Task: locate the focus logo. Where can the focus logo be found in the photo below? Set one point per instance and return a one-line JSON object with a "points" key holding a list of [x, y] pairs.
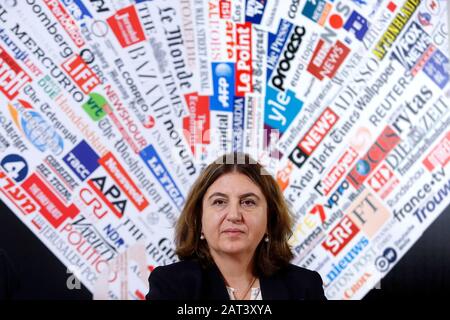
{"points": [[126, 26], [326, 59], [82, 160], [385, 142], [52, 208], [312, 139], [12, 77], [340, 235], [81, 74], [38, 131]]}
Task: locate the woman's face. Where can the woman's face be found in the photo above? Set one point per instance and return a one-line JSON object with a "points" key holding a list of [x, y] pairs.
{"points": [[234, 218]]}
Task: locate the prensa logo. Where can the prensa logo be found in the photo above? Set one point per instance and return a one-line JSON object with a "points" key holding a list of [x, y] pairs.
{"points": [[126, 26], [12, 77]]}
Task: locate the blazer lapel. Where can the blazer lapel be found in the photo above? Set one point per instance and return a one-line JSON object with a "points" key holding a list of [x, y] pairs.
{"points": [[273, 288], [214, 286]]}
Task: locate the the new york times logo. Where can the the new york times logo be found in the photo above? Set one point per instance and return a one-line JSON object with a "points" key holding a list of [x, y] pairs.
{"points": [[73, 282]]}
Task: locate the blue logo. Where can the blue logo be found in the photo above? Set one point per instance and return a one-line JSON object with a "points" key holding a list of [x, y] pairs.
{"points": [[275, 45], [437, 68], [313, 9], [82, 160], [223, 84], [254, 10], [358, 24], [280, 108], [159, 170], [40, 133], [77, 9], [16, 167]]}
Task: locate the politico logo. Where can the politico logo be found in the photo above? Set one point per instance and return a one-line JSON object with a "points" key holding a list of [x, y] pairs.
{"points": [[312, 139], [338, 238], [12, 77], [327, 59], [126, 26]]}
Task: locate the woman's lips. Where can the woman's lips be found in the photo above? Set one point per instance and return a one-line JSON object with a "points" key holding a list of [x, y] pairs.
{"points": [[233, 231]]}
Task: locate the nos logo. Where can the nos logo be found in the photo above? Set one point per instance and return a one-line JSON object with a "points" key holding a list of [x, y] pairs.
{"points": [[110, 194]]}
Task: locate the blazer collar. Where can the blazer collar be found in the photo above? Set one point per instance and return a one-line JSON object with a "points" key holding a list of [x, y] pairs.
{"points": [[272, 288]]}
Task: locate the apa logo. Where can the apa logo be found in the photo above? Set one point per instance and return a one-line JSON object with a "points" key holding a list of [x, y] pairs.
{"points": [[110, 194], [15, 166], [38, 131], [383, 262]]}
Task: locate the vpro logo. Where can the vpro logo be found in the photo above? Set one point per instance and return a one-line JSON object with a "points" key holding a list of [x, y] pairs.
{"points": [[82, 160], [280, 108], [223, 83]]}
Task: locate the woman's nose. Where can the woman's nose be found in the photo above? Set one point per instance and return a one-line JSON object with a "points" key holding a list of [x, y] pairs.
{"points": [[234, 213]]}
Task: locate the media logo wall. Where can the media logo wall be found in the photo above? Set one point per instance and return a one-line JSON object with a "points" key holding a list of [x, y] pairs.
{"points": [[109, 110]]}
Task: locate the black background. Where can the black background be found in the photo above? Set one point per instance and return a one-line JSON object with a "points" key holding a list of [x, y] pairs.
{"points": [[424, 272]]}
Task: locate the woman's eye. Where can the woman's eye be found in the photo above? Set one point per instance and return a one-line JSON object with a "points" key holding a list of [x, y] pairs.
{"points": [[248, 203], [218, 202]]}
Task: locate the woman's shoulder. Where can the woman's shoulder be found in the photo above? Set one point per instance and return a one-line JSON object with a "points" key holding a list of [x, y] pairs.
{"points": [[300, 273], [179, 269]]}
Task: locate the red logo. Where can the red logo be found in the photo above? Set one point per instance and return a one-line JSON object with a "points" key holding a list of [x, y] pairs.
{"points": [[119, 175], [243, 59], [440, 155], [326, 60], [126, 26], [318, 131], [81, 74], [225, 9], [52, 208], [66, 21], [337, 171], [17, 196], [12, 77], [340, 235], [385, 142], [196, 125]]}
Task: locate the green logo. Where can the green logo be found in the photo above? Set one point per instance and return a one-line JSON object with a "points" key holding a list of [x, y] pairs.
{"points": [[94, 106]]}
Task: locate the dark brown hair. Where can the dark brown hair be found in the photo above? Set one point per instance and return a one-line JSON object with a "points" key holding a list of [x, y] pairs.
{"points": [[269, 256]]}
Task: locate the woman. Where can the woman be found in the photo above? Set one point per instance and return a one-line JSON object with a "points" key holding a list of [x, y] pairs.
{"points": [[232, 240]]}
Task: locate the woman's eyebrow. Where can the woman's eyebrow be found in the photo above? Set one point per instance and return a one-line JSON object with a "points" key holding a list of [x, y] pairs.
{"points": [[219, 194], [249, 194]]}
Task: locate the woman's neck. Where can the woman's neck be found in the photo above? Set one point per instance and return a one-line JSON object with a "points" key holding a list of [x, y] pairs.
{"points": [[237, 270]]}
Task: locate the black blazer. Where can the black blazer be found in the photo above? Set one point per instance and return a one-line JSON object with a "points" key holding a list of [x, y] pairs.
{"points": [[187, 280], [9, 281]]}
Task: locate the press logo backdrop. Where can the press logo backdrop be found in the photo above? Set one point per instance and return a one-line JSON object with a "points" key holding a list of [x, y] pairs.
{"points": [[109, 110]]}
